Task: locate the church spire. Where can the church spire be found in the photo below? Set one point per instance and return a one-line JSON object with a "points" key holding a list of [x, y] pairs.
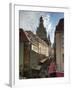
{"points": [[41, 19], [41, 30]]}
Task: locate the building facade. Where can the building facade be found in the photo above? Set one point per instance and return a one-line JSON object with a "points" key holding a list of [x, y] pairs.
{"points": [[59, 45], [32, 49]]}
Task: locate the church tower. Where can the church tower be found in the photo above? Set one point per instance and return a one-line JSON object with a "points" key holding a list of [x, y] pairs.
{"points": [[41, 30]]}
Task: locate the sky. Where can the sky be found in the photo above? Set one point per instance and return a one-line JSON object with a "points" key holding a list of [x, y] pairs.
{"points": [[29, 20]]}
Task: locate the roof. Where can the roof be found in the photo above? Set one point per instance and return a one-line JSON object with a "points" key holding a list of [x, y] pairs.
{"points": [[60, 26], [34, 38], [41, 41], [22, 36], [31, 37]]}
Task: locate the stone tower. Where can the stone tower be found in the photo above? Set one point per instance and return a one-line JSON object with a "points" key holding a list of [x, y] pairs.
{"points": [[41, 30]]}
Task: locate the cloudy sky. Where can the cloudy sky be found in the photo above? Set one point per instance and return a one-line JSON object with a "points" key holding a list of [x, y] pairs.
{"points": [[29, 20]]}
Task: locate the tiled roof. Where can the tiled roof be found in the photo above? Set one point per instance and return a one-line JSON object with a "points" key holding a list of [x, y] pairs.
{"points": [[31, 37], [34, 38]]}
